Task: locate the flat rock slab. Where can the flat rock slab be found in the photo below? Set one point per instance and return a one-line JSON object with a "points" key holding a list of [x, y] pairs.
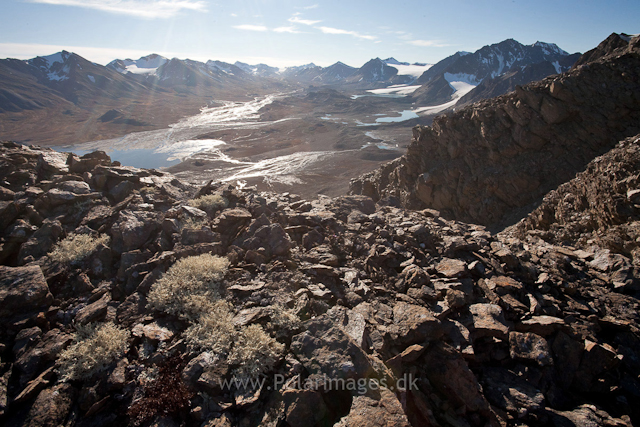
{"points": [[541, 325], [451, 268], [488, 320], [326, 349], [386, 411], [22, 289], [414, 324]]}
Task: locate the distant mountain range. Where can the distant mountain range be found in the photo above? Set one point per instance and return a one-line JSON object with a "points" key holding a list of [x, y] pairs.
{"points": [[149, 92]]}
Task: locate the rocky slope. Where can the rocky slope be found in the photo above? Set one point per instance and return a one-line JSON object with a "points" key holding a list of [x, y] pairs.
{"points": [[599, 206], [350, 297], [490, 162]]}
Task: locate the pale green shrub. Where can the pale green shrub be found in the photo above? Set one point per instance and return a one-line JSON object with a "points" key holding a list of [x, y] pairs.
{"points": [[209, 203], [254, 351], [190, 287], [214, 331], [95, 347], [283, 318], [76, 247]]}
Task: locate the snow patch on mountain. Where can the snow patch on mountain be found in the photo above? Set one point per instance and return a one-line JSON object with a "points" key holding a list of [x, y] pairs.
{"points": [[550, 48], [413, 70], [461, 83], [59, 57], [146, 65], [396, 90], [470, 79]]}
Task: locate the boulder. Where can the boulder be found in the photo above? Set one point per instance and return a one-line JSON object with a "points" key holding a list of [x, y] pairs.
{"points": [[52, 406], [23, 290], [414, 324], [488, 320], [511, 393], [325, 350], [383, 410], [451, 268], [304, 408], [132, 230], [450, 375], [529, 346]]}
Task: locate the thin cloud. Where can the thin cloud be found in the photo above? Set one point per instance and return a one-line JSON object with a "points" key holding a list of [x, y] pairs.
{"points": [[251, 27], [295, 20], [100, 55], [331, 30], [292, 30], [149, 9], [235, 15], [427, 43], [313, 6]]}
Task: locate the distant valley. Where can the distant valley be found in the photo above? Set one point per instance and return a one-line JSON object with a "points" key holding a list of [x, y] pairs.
{"points": [[307, 129]]}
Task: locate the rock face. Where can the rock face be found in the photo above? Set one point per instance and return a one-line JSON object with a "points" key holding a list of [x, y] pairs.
{"points": [[491, 162], [600, 205]]}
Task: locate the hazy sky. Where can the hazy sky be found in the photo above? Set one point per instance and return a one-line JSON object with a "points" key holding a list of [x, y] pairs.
{"points": [[284, 33]]}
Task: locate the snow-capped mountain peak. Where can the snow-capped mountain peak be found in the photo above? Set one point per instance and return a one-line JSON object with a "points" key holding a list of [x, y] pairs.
{"points": [[394, 61], [145, 65], [550, 48], [55, 67]]}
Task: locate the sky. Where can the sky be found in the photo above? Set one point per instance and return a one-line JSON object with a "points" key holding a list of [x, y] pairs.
{"points": [[286, 33]]}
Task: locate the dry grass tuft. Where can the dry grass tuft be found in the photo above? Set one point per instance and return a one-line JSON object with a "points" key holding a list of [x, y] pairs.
{"points": [[77, 247], [210, 203], [94, 349], [193, 224], [190, 287], [214, 331], [254, 352]]}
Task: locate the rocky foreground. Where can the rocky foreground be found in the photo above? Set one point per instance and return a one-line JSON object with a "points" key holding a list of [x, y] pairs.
{"points": [[352, 313]]}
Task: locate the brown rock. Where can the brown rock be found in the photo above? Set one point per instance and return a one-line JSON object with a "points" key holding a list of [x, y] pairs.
{"points": [[585, 415], [503, 285], [541, 325], [529, 346], [304, 408], [449, 374], [488, 320], [451, 268], [325, 349], [52, 406], [385, 411], [511, 393], [414, 324], [93, 312], [132, 230], [22, 289]]}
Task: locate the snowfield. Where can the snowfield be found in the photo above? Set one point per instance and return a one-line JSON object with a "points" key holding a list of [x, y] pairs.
{"points": [[411, 70]]}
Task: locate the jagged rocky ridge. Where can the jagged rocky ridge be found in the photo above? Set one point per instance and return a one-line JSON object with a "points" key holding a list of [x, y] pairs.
{"points": [[598, 206], [491, 162], [495, 330]]}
